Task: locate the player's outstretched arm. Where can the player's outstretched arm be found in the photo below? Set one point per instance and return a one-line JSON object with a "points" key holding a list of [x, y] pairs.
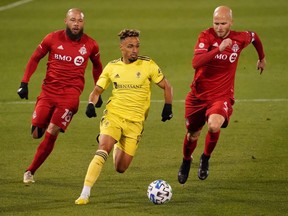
{"points": [[93, 100], [261, 65], [23, 90], [31, 67], [95, 94], [168, 97]]}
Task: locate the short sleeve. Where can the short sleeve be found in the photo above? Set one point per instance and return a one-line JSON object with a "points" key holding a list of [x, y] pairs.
{"points": [[104, 79], [156, 72]]}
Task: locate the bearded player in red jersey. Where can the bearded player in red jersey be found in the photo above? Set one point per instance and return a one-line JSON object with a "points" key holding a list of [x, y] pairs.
{"points": [[69, 51], [211, 98]]}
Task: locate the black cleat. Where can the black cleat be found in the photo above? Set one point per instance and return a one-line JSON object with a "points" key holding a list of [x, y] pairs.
{"points": [[184, 171], [203, 170]]}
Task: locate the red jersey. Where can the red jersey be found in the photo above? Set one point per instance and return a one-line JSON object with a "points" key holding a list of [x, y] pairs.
{"points": [[215, 72], [67, 61]]}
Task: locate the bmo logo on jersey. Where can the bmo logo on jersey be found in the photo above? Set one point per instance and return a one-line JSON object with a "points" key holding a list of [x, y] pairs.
{"points": [[78, 60], [232, 58]]}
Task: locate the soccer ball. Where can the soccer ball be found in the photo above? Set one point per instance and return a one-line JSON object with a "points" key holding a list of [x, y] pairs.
{"points": [[159, 192]]}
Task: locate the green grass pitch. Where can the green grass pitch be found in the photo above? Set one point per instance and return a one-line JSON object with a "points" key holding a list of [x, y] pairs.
{"points": [[248, 169]]}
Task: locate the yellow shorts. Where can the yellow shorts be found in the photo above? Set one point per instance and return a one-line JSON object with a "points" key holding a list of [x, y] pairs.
{"points": [[127, 133]]}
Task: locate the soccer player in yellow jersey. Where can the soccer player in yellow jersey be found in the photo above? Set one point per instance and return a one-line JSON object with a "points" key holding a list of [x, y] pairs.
{"points": [[121, 126]]}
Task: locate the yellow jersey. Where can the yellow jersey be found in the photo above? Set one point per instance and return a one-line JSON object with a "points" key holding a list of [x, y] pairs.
{"points": [[131, 86]]}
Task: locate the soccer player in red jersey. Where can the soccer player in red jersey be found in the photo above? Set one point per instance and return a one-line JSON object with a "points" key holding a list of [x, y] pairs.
{"points": [[69, 52], [211, 98]]}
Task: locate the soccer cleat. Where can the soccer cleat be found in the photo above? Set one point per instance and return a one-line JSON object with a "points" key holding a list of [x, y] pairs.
{"points": [[203, 170], [28, 177], [82, 200], [184, 171]]}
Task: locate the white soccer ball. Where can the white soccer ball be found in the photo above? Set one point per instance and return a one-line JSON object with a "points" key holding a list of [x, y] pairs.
{"points": [[159, 192]]}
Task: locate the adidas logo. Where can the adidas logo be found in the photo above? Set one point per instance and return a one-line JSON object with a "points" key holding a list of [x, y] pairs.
{"points": [[117, 76], [215, 44], [60, 47]]}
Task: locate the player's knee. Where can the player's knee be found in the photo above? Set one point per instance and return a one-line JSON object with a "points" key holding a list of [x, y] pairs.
{"points": [[215, 122], [193, 136], [214, 128], [120, 169], [37, 132]]}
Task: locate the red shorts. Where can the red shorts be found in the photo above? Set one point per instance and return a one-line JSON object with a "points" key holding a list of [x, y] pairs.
{"points": [[197, 111], [57, 109]]}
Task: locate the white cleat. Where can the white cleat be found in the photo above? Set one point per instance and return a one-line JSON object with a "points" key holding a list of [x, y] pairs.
{"points": [[28, 178]]}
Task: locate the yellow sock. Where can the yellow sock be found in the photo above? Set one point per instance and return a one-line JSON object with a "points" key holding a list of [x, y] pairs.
{"points": [[95, 167]]}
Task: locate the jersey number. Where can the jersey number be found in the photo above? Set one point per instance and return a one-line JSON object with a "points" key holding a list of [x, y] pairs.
{"points": [[67, 115], [226, 106]]}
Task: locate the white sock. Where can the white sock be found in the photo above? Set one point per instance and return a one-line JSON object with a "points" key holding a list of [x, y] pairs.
{"points": [[85, 191]]}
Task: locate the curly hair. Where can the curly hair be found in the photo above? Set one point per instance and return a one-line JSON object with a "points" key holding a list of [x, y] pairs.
{"points": [[128, 33]]}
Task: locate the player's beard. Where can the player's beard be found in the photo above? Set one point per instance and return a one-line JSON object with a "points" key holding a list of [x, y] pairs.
{"points": [[133, 58], [74, 37]]}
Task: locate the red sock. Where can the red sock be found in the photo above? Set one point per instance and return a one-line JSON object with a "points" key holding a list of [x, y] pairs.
{"points": [[43, 151], [188, 148], [210, 142]]}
